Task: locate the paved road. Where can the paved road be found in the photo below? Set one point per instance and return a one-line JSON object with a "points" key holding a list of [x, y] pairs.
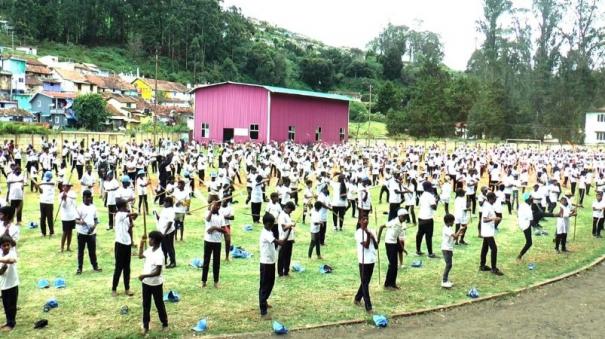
{"points": [[572, 308]]}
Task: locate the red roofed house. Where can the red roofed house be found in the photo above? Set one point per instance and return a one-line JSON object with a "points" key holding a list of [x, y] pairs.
{"points": [[244, 112]]}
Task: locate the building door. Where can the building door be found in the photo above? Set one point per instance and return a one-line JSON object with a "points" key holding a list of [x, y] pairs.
{"points": [[227, 134]]}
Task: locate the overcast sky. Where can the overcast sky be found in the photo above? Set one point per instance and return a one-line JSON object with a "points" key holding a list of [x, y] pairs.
{"points": [[353, 23]]}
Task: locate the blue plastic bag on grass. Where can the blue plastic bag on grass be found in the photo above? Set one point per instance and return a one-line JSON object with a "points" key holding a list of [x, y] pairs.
{"points": [[279, 328], [531, 266], [248, 228], [172, 296], [240, 253], [43, 283], [324, 269], [201, 325], [197, 263], [473, 293], [417, 263], [297, 267], [380, 320]]}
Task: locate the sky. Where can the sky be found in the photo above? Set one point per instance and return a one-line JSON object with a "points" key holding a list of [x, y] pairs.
{"points": [[353, 23]]}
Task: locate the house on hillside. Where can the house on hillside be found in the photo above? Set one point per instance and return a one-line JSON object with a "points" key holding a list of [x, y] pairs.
{"points": [[54, 108], [27, 50], [166, 90], [112, 84], [16, 66], [5, 84], [15, 114], [73, 81], [49, 60], [8, 104], [245, 112], [123, 111]]}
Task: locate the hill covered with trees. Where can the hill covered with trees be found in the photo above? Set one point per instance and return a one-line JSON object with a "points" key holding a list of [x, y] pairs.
{"points": [[528, 79]]}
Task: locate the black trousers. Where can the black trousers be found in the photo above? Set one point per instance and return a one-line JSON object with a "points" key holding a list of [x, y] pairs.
{"points": [[425, 229], [338, 216], [597, 225], [9, 302], [143, 201], [393, 209], [391, 279], [267, 281], [90, 241], [111, 210], [561, 240], [18, 206], [383, 189], [122, 255], [284, 258], [255, 208], [211, 249], [573, 188], [322, 233], [80, 170], [363, 292], [157, 293], [412, 214], [353, 207], [447, 257], [168, 248], [314, 243], [46, 217], [489, 243], [528, 242]]}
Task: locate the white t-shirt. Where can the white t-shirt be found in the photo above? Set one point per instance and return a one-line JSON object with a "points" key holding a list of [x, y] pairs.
{"points": [[394, 229], [216, 220], [121, 226], [427, 200], [10, 278], [488, 229], [166, 216], [110, 187], [600, 205], [525, 216], [394, 198], [273, 209], [68, 207], [47, 194], [268, 253], [88, 213], [153, 259], [13, 231], [181, 197], [284, 219], [141, 186], [365, 255], [16, 188], [315, 221], [447, 239], [256, 196]]}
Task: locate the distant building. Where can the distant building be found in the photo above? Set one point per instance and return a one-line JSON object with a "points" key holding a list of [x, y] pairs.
{"points": [[54, 108], [112, 84], [16, 66], [15, 114], [167, 90], [28, 50], [594, 130], [244, 112], [74, 81]]}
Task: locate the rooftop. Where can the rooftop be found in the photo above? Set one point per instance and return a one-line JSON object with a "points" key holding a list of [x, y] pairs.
{"points": [[283, 90]]}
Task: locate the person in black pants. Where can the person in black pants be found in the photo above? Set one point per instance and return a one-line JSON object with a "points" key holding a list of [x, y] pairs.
{"points": [[286, 233], [10, 293], [152, 281], [488, 231], [268, 252], [122, 246], [87, 236], [391, 242], [366, 256], [428, 205], [213, 238], [525, 221], [47, 193]]}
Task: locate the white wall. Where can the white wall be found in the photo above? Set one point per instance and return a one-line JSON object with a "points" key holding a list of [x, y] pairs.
{"points": [[593, 126]]}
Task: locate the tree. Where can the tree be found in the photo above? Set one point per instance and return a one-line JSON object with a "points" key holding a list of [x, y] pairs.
{"points": [[488, 117], [389, 98], [91, 112], [317, 73]]}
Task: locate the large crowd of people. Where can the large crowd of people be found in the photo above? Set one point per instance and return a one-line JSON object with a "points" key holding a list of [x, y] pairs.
{"points": [[286, 184]]}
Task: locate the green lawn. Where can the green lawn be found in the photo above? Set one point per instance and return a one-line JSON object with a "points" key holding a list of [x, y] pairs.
{"points": [[88, 310], [374, 130]]}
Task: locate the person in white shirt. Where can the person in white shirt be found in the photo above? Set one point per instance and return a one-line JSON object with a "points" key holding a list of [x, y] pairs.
{"points": [[88, 180], [141, 189], [15, 181], [152, 280], [394, 228], [488, 232], [525, 217], [86, 226], [226, 211], [256, 198], [47, 198], [274, 208], [213, 237], [366, 256], [268, 256], [9, 281], [286, 229], [181, 202], [448, 237], [461, 214], [110, 186], [598, 205], [68, 210], [122, 247], [165, 225], [565, 212], [426, 210], [314, 228]]}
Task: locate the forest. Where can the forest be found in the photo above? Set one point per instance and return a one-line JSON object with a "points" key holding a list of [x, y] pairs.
{"points": [[534, 74]]}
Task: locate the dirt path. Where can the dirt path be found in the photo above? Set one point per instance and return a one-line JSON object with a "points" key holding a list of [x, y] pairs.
{"points": [[572, 308]]}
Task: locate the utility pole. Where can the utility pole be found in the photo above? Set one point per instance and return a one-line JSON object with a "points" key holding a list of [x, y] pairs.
{"points": [[155, 99], [369, 117]]}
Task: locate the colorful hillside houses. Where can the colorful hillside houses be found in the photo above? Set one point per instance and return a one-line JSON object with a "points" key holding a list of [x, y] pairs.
{"points": [[54, 108], [16, 66], [167, 90], [123, 111]]}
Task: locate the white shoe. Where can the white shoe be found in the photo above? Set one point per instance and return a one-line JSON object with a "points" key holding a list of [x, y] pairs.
{"points": [[447, 284]]}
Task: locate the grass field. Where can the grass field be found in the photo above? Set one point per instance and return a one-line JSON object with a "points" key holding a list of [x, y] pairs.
{"points": [[87, 309], [374, 130]]}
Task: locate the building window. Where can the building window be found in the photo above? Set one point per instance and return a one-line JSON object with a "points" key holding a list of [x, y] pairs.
{"points": [[205, 130], [254, 132], [91, 88], [601, 118], [601, 136], [341, 133], [79, 87], [318, 134], [291, 132], [57, 120]]}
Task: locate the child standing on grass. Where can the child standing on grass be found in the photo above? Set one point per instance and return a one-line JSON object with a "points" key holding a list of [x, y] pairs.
{"points": [[122, 249], [565, 211], [86, 226], [447, 247], [268, 256], [67, 206], [152, 281], [9, 281], [366, 256], [461, 210], [213, 237], [314, 229]]}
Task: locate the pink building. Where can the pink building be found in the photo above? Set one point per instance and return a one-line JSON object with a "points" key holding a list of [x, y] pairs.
{"points": [[244, 112]]}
